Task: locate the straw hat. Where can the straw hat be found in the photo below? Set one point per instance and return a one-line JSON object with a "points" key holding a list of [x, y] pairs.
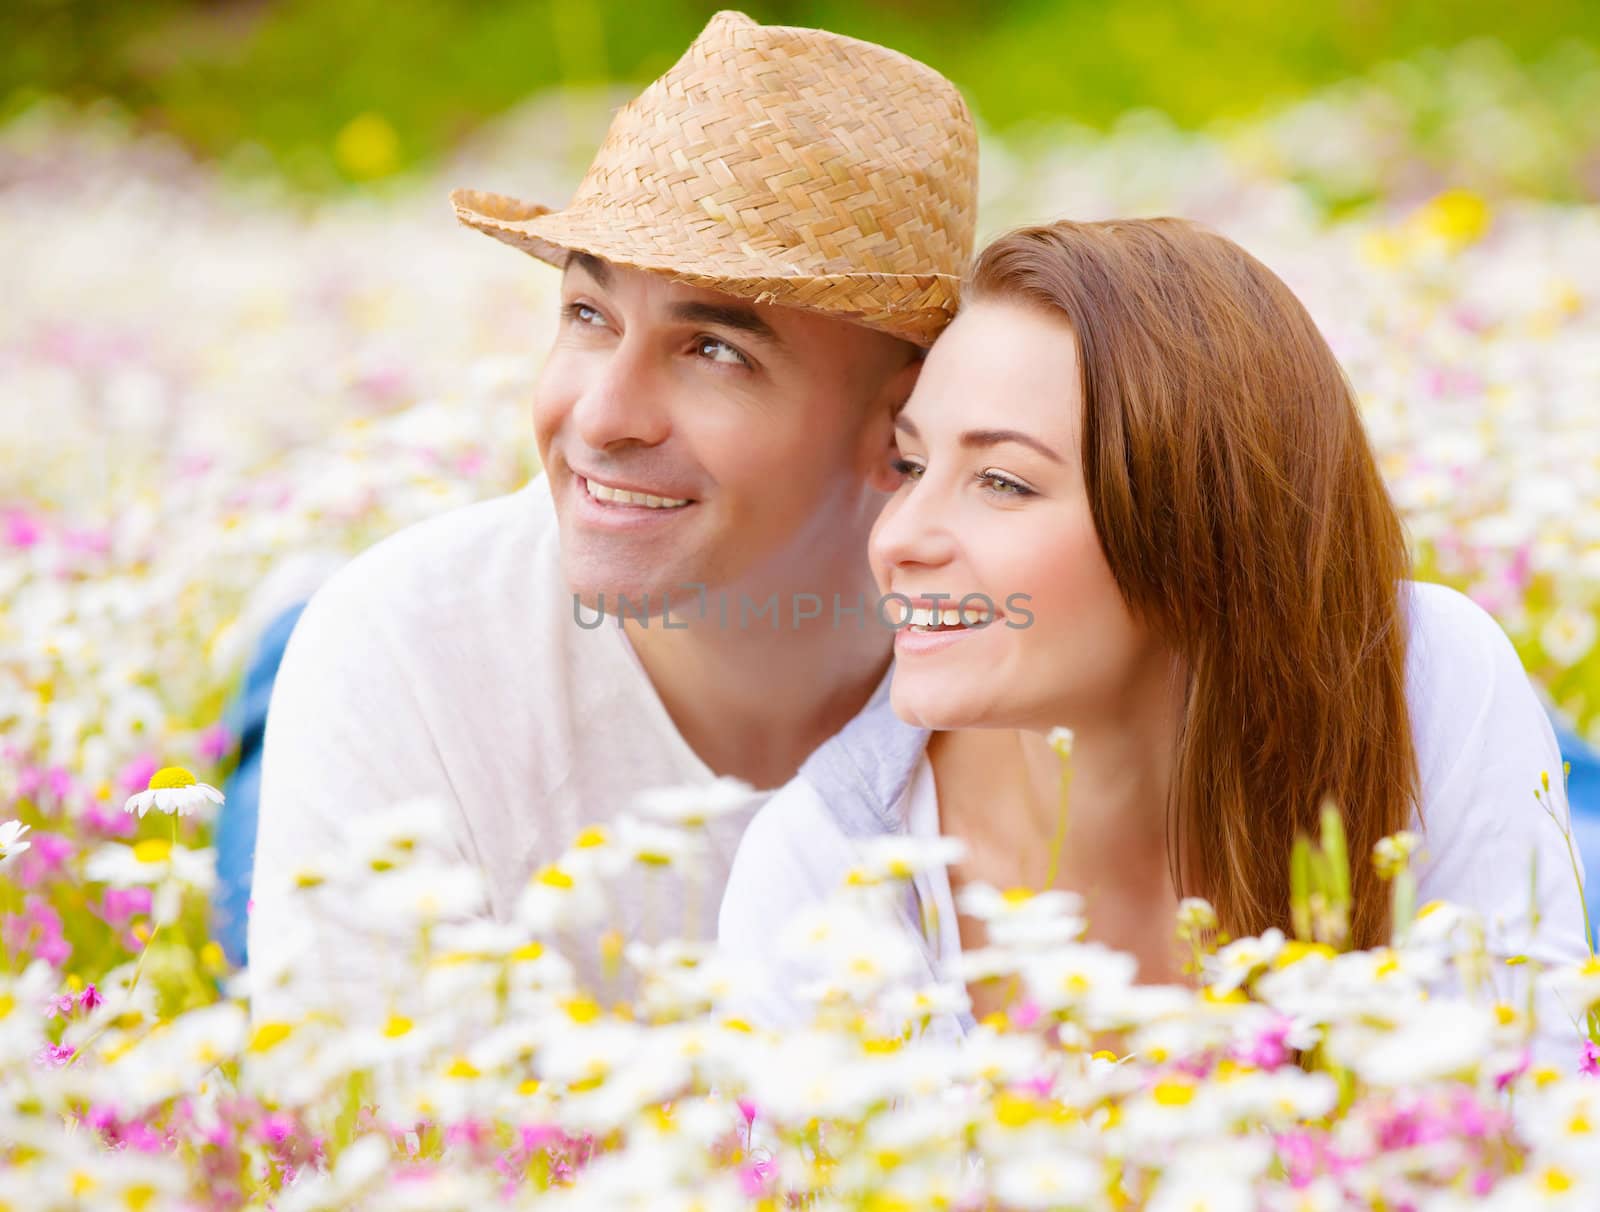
{"points": [[783, 165]]}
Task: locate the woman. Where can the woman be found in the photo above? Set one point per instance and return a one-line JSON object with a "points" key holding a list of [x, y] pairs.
{"points": [[1134, 447]]}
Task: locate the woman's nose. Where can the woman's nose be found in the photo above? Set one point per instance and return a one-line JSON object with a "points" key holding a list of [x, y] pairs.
{"points": [[620, 402], [914, 529]]}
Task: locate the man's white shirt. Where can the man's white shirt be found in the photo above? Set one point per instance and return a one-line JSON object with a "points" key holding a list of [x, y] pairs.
{"points": [[446, 662]]}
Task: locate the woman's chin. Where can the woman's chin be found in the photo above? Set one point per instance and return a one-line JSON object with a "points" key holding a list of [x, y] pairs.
{"points": [[940, 708]]}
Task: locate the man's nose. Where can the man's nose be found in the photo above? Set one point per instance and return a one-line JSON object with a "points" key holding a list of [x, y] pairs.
{"points": [[621, 403]]}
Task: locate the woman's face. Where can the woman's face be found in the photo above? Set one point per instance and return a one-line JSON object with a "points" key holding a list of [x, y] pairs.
{"points": [[991, 502]]}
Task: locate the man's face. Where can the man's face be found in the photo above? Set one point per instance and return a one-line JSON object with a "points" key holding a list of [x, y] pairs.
{"points": [[740, 437]]}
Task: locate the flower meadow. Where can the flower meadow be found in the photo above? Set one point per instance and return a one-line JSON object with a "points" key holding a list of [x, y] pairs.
{"points": [[213, 392]]}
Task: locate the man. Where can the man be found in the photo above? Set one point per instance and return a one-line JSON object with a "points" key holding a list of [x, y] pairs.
{"points": [[768, 237]]}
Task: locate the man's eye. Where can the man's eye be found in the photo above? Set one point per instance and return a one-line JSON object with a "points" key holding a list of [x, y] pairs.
{"points": [[582, 313], [717, 350]]}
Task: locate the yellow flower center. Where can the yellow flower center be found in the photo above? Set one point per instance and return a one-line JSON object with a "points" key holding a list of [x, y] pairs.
{"points": [[169, 777], [1013, 1110], [269, 1036], [1173, 1093], [1555, 1181], [553, 877], [153, 850]]}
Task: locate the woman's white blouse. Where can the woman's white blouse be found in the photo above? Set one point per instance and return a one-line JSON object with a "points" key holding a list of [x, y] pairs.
{"points": [[1483, 745]]}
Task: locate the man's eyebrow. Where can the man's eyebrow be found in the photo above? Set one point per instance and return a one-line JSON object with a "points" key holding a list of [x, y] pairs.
{"points": [[591, 265], [982, 438], [727, 315]]}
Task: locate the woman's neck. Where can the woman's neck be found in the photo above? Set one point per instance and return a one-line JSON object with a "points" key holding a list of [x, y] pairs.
{"points": [[1005, 786]]}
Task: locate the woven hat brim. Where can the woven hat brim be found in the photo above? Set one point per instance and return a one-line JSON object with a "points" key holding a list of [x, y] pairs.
{"points": [[913, 307]]}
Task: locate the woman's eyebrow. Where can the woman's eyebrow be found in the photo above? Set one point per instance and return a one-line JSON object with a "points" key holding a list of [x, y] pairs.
{"points": [[981, 438]]}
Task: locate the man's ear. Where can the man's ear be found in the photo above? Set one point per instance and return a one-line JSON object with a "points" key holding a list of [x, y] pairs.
{"points": [[877, 434]]}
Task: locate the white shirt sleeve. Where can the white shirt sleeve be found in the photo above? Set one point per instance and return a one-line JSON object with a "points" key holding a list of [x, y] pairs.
{"points": [[345, 743], [1484, 747], [791, 856]]}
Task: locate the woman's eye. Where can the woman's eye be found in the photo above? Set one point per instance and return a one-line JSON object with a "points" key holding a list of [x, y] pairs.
{"points": [[1004, 485], [905, 468], [720, 352]]}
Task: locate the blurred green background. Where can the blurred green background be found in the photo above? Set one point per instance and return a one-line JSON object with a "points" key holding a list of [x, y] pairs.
{"points": [[333, 92]]}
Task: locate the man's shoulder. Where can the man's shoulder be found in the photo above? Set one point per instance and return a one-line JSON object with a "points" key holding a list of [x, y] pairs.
{"points": [[477, 554]]}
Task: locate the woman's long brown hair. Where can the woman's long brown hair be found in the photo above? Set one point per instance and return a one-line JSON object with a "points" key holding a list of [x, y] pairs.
{"points": [[1243, 515]]}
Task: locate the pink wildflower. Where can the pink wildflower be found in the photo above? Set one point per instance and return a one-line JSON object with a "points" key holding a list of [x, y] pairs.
{"points": [[469, 1132], [59, 779], [215, 742], [539, 1136], [46, 856], [1270, 1049], [1039, 1086], [95, 541], [135, 776], [120, 905], [753, 1178], [102, 821], [1024, 1014], [54, 1055], [38, 929], [1590, 1064], [1503, 1080], [21, 529]]}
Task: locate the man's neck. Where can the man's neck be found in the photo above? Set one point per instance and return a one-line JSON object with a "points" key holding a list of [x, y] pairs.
{"points": [[754, 701]]}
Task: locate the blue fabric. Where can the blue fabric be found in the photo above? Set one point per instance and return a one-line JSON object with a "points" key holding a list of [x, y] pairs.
{"points": [[246, 718], [1583, 794]]}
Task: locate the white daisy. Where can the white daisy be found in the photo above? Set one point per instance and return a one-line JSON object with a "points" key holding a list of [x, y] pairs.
{"points": [[11, 843], [151, 862], [1568, 635], [697, 805], [175, 791], [1234, 964], [897, 857]]}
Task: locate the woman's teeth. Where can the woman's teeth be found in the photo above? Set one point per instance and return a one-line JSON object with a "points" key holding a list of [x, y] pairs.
{"points": [[621, 496], [926, 618]]}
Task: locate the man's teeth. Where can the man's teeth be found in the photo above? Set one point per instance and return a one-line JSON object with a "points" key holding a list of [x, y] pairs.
{"points": [[623, 497], [949, 616]]}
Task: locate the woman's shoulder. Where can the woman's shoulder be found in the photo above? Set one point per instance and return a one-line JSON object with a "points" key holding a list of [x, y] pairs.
{"points": [[1461, 670], [807, 836], [794, 831], [792, 853], [1450, 633], [1475, 716], [1494, 812]]}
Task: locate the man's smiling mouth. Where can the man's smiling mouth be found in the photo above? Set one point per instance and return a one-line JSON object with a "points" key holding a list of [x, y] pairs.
{"points": [[608, 495]]}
